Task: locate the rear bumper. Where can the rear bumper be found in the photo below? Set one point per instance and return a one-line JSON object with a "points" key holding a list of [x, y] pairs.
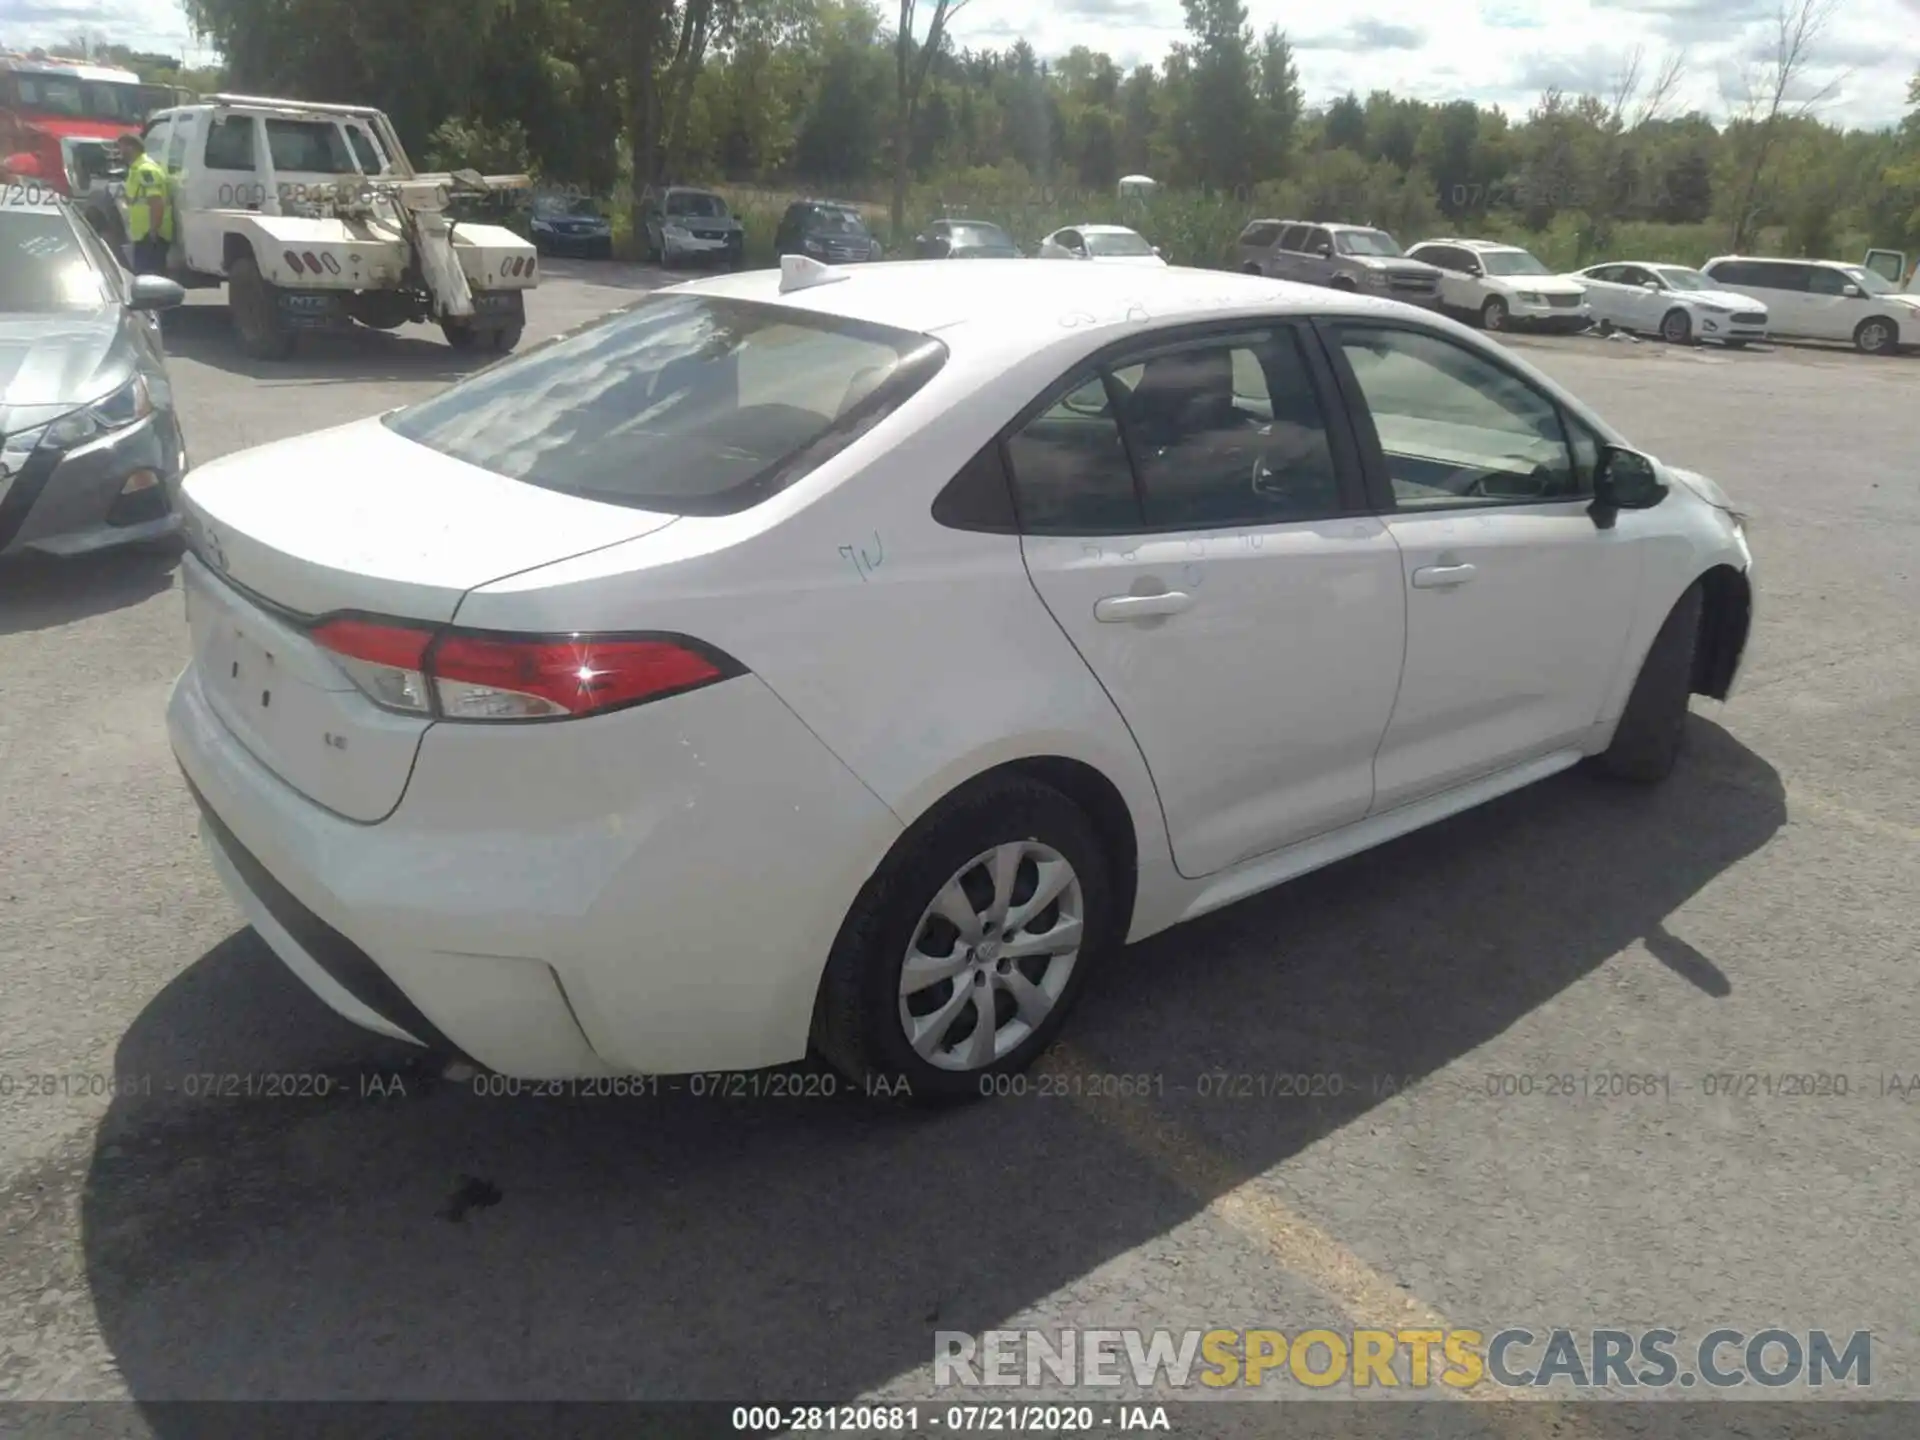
{"points": [[65, 504], [653, 891]]}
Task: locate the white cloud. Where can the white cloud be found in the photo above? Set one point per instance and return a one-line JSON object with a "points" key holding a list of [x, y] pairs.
{"points": [[159, 26], [1499, 51]]}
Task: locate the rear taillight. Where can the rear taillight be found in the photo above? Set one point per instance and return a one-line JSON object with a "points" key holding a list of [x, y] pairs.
{"points": [[470, 675], [388, 662]]}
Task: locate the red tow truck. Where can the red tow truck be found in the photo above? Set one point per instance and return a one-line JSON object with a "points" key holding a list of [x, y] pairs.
{"points": [[60, 117]]}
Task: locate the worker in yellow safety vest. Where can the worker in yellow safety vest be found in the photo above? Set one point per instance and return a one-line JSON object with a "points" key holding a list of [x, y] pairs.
{"points": [[149, 208]]}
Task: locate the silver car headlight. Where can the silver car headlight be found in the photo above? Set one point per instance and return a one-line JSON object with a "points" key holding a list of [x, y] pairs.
{"points": [[128, 405], [15, 450], [1708, 309], [1531, 297]]}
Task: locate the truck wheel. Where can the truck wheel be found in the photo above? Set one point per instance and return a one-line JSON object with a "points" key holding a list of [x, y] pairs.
{"points": [[263, 330], [460, 334], [506, 338]]}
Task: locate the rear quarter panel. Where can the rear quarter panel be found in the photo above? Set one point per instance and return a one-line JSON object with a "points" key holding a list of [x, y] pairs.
{"points": [[919, 655]]}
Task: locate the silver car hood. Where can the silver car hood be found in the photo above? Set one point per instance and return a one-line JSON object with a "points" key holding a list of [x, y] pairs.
{"points": [[50, 364]]}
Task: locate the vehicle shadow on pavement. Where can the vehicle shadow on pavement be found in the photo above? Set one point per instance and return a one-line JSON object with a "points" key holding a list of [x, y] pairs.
{"points": [[443, 1244], [44, 592], [204, 334]]}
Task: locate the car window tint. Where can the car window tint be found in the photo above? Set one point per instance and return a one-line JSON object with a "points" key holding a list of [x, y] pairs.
{"points": [[1071, 475], [1316, 238], [1605, 274], [685, 404], [1456, 428], [230, 143], [1229, 433], [1772, 276], [1822, 281], [1294, 237], [1261, 234]]}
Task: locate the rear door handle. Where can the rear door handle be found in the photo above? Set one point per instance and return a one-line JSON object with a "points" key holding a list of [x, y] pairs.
{"points": [[1442, 577], [1117, 608]]}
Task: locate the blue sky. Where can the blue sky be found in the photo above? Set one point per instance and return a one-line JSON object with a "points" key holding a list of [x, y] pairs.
{"points": [[1495, 51]]}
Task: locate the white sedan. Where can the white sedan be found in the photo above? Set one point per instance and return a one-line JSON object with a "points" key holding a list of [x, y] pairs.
{"points": [[1679, 305], [1104, 244], [856, 656]]}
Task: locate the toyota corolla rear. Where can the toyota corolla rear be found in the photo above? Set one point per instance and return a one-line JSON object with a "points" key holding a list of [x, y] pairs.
{"points": [[460, 805]]}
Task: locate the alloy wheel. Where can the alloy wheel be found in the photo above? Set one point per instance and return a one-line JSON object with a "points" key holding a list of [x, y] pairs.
{"points": [[991, 955]]}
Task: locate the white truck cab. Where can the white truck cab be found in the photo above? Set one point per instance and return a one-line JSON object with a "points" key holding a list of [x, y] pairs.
{"points": [[314, 218]]}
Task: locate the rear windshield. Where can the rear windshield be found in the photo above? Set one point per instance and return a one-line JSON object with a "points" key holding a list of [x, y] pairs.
{"points": [[829, 221], [1116, 242], [987, 237], [684, 404]]}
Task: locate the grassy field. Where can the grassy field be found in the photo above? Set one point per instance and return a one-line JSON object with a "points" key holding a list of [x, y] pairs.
{"points": [[1200, 230]]}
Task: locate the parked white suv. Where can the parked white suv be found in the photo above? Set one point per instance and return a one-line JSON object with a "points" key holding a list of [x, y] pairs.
{"points": [[1503, 285], [1824, 300]]}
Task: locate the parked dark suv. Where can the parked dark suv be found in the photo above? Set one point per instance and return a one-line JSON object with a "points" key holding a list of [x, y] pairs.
{"points": [[1345, 257], [827, 230]]}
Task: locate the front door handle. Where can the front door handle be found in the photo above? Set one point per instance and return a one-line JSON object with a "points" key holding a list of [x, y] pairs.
{"points": [[1117, 608], [1441, 577]]}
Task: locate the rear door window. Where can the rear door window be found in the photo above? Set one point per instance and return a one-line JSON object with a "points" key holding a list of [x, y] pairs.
{"points": [[230, 143], [308, 147], [1294, 237], [1260, 234], [685, 404]]}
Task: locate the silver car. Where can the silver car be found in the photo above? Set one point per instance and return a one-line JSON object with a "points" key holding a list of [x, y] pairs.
{"points": [[1362, 258], [90, 448]]}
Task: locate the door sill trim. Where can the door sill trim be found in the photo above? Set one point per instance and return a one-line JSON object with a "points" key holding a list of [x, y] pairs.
{"points": [[1280, 866]]}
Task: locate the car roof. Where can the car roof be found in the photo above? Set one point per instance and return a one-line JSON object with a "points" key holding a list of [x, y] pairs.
{"points": [[997, 306], [1102, 229], [1787, 260], [1484, 245]]}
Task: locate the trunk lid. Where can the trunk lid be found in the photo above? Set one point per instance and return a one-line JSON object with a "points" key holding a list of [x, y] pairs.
{"points": [[352, 519]]}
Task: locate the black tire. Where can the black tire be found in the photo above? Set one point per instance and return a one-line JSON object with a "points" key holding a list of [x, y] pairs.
{"points": [[1734, 344], [857, 1022], [1250, 270], [262, 330], [1676, 327], [1343, 282], [1493, 315], [460, 334], [1603, 328], [1875, 336], [506, 338], [1648, 740]]}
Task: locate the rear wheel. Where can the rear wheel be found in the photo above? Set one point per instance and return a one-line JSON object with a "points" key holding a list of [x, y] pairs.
{"points": [[1493, 314], [963, 954], [1647, 742], [1344, 282], [1676, 327], [1735, 344], [252, 302], [1876, 337]]}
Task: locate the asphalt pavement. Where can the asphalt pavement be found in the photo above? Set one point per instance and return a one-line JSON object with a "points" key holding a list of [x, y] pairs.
{"points": [[404, 1236]]}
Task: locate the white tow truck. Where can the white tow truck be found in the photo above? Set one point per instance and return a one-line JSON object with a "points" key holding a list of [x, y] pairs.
{"points": [[313, 218]]}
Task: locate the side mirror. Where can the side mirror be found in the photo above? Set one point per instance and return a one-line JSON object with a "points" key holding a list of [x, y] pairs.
{"points": [[1652, 287], [1158, 251], [1852, 292], [1473, 270], [1325, 252], [154, 292], [1624, 480]]}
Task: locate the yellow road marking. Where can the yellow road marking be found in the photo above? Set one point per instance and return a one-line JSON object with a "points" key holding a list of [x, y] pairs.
{"points": [[1252, 1210]]}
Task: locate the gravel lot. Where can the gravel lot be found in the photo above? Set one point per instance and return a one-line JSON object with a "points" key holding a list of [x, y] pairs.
{"points": [[1754, 916]]}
